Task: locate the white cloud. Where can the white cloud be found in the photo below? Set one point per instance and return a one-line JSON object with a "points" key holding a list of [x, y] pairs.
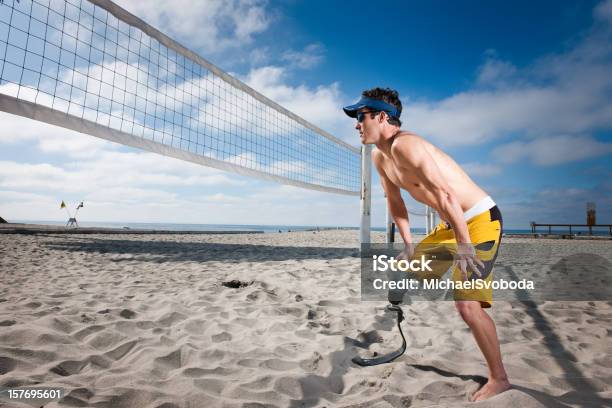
{"points": [[548, 151], [603, 11], [298, 206], [476, 117], [20, 197], [49, 138], [31, 176], [259, 56], [123, 184], [561, 205], [269, 204], [481, 169], [212, 25], [320, 105], [309, 57], [96, 169], [495, 72], [224, 198], [112, 170], [563, 93], [125, 195]]}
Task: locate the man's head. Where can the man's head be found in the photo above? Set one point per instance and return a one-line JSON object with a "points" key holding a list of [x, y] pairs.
{"points": [[377, 113]]}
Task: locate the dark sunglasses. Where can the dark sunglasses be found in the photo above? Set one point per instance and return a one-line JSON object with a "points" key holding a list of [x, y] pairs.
{"points": [[361, 115]]}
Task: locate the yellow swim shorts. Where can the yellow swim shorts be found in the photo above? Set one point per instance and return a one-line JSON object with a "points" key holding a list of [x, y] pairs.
{"points": [[485, 231]]}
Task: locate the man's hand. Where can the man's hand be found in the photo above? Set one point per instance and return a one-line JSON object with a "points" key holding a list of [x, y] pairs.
{"points": [[407, 252], [466, 258]]}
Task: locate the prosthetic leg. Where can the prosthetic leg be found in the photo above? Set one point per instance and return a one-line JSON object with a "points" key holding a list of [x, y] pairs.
{"points": [[395, 298]]}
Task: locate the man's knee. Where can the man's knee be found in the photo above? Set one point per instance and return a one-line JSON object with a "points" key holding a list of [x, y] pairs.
{"points": [[469, 310]]}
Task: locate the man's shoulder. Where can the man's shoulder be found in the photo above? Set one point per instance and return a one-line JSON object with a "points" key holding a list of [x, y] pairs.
{"points": [[378, 157], [405, 143], [406, 137]]}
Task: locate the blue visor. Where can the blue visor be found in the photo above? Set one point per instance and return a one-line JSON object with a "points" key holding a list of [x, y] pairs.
{"points": [[374, 104]]}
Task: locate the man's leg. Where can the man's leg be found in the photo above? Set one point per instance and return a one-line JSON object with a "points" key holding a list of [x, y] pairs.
{"points": [[483, 329]]}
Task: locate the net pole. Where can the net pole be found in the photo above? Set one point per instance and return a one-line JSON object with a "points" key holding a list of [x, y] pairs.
{"points": [[434, 220], [390, 232], [366, 193], [430, 219]]}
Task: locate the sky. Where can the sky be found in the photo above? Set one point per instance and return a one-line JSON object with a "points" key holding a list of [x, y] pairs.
{"points": [[518, 93]]}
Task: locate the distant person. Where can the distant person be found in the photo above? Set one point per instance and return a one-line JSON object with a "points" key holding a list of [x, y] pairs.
{"points": [[470, 217]]}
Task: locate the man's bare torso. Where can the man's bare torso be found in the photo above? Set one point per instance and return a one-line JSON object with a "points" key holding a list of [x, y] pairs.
{"points": [[467, 192]]}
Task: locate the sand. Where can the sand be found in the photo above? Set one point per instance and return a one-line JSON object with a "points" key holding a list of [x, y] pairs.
{"points": [[146, 321]]}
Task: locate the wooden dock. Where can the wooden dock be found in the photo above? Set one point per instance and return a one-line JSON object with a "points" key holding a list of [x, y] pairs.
{"points": [[534, 226]]}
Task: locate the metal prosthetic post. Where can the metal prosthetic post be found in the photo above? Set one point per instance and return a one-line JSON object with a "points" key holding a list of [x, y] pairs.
{"points": [[387, 358]]}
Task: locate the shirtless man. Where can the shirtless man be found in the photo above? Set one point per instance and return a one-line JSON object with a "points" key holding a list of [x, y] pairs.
{"points": [[470, 217]]}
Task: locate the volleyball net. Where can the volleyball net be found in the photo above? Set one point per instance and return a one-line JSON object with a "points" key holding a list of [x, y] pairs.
{"points": [[93, 67]]}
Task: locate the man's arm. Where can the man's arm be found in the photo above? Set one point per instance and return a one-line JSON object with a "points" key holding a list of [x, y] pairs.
{"points": [[413, 156], [396, 205]]}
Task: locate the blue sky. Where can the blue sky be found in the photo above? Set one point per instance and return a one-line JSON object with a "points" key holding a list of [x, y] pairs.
{"points": [[519, 93]]}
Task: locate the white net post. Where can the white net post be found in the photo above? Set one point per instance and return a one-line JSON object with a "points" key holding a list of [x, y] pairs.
{"points": [[434, 220], [430, 219], [390, 231], [366, 193]]}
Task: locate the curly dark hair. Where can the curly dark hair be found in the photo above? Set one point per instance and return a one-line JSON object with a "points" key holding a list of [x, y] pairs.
{"points": [[388, 95]]}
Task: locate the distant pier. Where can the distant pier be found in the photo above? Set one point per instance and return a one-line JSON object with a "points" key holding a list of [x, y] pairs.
{"points": [[590, 227]]}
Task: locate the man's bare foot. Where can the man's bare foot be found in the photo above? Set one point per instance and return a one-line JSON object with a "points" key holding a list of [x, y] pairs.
{"points": [[490, 389]]}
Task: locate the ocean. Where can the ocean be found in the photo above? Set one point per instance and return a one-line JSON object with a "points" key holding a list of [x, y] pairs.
{"points": [[274, 228], [187, 227]]}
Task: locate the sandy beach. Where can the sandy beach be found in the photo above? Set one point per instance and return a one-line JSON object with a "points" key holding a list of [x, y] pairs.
{"points": [[267, 320]]}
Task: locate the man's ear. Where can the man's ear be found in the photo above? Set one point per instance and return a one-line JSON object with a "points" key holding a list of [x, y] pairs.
{"points": [[383, 117]]}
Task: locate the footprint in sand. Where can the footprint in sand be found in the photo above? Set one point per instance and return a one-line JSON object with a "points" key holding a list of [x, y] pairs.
{"points": [[543, 364], [83, 333], [531, 334], [332, 303], [194, 372], [311, 364], [7, 365], [68, 368], [167, 405], [236, 284], [258, 383], [171, 361], [278, 365], [211, 385], [127, 314], [221, 337], [171, 318], [289, 386], [79, 396], [87, 319], [120, 351]]}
